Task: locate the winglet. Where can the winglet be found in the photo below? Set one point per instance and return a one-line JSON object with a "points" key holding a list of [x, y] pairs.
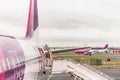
{"points": [[32, 19]]}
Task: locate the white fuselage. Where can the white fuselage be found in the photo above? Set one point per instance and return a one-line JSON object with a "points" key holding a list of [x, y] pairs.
{"points": [[34, 59]]}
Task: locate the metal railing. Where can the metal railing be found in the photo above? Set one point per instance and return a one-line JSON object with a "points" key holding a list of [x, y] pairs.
{"points": [[91, 70]]}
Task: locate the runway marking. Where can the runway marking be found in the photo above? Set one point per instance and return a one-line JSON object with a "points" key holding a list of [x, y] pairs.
{"points": [[50, 77]]}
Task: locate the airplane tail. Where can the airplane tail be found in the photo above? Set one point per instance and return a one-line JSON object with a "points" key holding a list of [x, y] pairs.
{"points": [[32, 24], [106, 46]]}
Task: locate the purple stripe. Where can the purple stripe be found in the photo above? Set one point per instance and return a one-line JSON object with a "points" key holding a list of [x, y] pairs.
{"points": [[32, 19], [29, 31], [106, 46], [35, 15]]}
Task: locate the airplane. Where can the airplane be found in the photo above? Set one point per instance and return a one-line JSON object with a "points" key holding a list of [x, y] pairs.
{"points": [[90, 51], [21, 56]]}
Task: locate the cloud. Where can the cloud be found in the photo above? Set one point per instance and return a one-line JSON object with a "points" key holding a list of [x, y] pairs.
{"points": [[65, 20], [9, 29]]}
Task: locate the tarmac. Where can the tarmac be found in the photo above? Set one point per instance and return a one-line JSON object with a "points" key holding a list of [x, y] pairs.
{"points": [[115, 73]]}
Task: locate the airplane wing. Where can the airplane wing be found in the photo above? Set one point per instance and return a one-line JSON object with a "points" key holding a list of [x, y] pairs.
{"points": [[50, 50], [55, 50]]}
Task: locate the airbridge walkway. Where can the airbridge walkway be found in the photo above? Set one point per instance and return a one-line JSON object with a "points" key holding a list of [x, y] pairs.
{"points": [[78, 71]]}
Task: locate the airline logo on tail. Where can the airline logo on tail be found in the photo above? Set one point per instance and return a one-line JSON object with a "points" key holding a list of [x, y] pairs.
{"points": [[32, 19], [106, 46]]}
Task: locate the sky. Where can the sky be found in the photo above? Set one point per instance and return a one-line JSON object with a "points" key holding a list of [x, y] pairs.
{"points": [[66, 22]]}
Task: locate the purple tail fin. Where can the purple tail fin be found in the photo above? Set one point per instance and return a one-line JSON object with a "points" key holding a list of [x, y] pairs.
{"points": [[32, 19], [106, 46]]}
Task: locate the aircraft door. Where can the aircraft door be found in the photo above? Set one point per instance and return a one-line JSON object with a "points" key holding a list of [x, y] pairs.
{"points": [[42, 59]]}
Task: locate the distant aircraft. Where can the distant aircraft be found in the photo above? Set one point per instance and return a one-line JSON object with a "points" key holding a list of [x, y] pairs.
{"points": [[91, 51]]}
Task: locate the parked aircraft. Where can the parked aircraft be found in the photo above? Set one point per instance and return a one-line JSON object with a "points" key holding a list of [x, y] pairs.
{"points": [[90, 51], [18, 57]]}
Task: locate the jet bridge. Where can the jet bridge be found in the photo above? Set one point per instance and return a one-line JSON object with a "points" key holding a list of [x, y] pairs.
{"points": [[78, 71]]}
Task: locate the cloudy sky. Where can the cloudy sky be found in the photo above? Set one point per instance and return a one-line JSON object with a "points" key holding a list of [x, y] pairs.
{"points": [[73, 22]]}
